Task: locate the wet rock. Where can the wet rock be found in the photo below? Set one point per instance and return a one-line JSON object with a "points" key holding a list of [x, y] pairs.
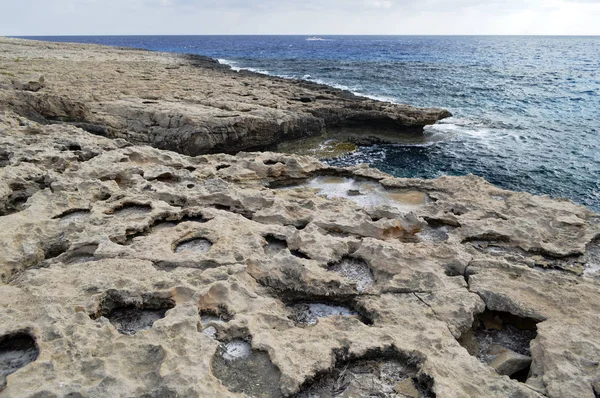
{"points": [[132, 210], [74, 216], [309, 313], [381, 377], [244, 370], [356, 271], [198, 245], [130, 314], [372, 193], [130, 320]]}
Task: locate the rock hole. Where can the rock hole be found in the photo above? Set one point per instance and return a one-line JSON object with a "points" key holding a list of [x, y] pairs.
{"points": [[131, 210], [190, 169], [192, 217], [196, 245], [270, 162], [435, 231], [242, 369], [15, 203], [55, 249], [221, 314], [274, 245], [591, 258], [74, 147], [168, 178], [16, 351], [73, 216], [5, 158], [458, 211], [299, 254], [309, 313], [384, 374], [301, 225], [130, 315], [484, 239], [356, 271], [502, 341], [190, 186], [82, 254], [223, 166]]}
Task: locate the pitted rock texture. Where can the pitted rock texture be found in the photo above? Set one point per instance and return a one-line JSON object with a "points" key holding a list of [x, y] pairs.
{"points": [[101, 221], [188, 104]]}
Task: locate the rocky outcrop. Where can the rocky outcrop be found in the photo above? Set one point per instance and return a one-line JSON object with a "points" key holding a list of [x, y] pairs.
{"points": [[188, 104], [133, 271]]}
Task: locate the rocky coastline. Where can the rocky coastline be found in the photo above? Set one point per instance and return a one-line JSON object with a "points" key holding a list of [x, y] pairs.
{"points": [[138, 261], [188, 104]]}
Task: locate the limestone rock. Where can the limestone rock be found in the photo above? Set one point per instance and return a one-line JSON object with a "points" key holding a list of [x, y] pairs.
{"points": [[507, 362], [407, 389]]}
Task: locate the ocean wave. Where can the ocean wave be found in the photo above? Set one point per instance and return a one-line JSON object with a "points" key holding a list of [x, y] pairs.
{"points": [[314, 38], [358, 91], [235, 68], [231, 64]]}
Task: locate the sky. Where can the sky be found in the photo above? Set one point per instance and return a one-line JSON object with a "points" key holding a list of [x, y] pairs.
{"points": [[306, 17]]}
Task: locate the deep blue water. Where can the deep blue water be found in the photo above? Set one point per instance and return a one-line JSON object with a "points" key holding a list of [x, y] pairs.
{"points": [[526, 109]]}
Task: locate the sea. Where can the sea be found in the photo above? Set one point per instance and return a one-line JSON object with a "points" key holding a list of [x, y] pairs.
{"points": [[526, 108]]}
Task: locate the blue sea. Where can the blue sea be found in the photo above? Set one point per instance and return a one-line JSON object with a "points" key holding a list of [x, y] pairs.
{"points": [[526, 109]]}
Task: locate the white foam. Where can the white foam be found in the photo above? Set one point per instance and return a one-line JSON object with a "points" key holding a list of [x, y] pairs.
{"points": [[454, 126], [229, 63], [313, 38]]}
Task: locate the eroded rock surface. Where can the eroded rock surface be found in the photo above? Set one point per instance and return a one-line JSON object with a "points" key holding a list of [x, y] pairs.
{"points": [[245, 267], [188, 104]]}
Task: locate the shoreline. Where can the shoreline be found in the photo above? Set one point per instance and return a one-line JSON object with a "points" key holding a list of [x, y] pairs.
{"points": [[219, 111]]}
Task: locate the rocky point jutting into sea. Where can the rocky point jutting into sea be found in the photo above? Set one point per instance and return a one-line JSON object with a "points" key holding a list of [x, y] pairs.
{"points": [[137, 261]]}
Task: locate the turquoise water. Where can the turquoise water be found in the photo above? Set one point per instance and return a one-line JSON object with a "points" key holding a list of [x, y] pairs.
{"points": [[526, 109]]}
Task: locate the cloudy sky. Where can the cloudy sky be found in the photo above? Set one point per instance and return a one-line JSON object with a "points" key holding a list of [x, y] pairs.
{"points": [[309, 17]]}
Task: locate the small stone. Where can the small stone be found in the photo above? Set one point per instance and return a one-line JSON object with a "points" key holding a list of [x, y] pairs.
{"points": [[507, 362], [407, 388], [210, 332]]}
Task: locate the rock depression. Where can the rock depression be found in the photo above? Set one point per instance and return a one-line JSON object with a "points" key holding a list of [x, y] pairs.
{"points": [[189, 104], [133, 271]]}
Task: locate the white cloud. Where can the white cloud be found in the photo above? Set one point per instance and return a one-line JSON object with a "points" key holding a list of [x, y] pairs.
{"points": [[380, 3], [84, 17]]}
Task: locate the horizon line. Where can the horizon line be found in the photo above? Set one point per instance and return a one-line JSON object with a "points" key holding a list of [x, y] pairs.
{"points": [[303, 35]]}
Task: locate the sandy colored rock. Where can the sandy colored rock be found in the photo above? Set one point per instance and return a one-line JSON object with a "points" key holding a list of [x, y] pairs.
{"points": [[131, 271], [406, 388], [507, 362]]}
